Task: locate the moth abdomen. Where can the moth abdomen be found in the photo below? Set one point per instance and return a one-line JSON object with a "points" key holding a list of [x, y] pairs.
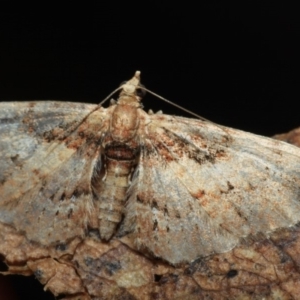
{"points": [[110, 192]]}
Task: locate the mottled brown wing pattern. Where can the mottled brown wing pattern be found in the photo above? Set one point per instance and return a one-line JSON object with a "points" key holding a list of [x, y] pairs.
{"points": [[50, 149], [175, 188], [200, 188]]}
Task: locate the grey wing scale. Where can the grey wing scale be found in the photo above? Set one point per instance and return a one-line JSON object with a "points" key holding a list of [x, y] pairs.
{"points": [[46, 168], [200, 188]]}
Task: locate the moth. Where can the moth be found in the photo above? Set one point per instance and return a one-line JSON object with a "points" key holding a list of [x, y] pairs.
{"points": [[173, 188]]}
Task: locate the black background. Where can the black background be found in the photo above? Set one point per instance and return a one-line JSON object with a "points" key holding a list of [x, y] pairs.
{"points": [[235, 64]]}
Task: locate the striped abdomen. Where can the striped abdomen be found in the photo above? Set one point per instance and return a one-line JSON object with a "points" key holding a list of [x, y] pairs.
{"points": [[119, 162]]}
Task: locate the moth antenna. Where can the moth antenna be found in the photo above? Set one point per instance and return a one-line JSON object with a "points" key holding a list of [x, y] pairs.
{"points": [[174, 104], [108, 97], [184, 109]]}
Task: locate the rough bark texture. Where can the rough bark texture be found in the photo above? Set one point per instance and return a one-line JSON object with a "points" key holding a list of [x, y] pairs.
{"points": [[258, 269]]}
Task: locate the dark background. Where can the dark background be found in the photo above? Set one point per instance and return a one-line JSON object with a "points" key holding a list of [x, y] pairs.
{"points": [[237, 65]]}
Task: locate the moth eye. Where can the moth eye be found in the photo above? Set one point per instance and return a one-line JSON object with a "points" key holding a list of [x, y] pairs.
{"points": [[141, 91]]}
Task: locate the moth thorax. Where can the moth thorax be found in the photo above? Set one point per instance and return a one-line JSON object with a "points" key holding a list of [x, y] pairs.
{"points": [[124, 122]]}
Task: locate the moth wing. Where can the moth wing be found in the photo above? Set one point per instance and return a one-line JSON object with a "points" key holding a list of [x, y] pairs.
{"points": [[199, 188], [48, 152]]}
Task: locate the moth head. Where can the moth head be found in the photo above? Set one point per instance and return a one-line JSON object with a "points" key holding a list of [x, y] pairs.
{"points": [[133, 88], [132, 91]]}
